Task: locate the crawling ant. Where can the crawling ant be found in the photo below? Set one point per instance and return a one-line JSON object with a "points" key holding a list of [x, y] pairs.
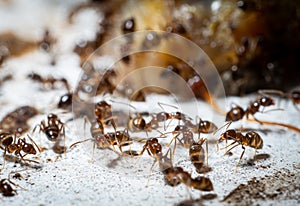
{"points": [[237, 113], [48, 81], [176, 175], [12, 144], [16, 121], [103, 140], [250, 139], [52, 129], [294, 95]]}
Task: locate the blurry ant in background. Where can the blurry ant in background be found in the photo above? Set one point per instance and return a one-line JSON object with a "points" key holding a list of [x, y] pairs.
{"points": [[65, 102], [53, 129], [294, 96], [250, 139], [48, 82], [16, 121]]}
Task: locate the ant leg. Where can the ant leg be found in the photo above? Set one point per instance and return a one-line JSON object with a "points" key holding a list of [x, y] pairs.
{"points": [[231, 147], [151, 170], [240, 158], [94, 147], [72, 145], [31, 140], [4, 160], [206, 152]]}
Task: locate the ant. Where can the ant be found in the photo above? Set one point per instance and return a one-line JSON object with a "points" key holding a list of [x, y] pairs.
{"points": [[48, 81], [16, 121], [138, 123], [102, 140], [52, 129], [6, 188], [251, 139], [13, 144], [294, 96], [176, 175], [237, 113], [197, 156], [153, 148], [65, 101], [103, 114]]}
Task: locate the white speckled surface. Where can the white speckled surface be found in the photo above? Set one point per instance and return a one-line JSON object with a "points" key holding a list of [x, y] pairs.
{"points": [[72, 179]]}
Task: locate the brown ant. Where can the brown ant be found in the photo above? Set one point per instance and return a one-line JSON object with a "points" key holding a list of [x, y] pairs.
{"points": [[52, 129], [120, 138], [153, 148], [197, 155], [251, 139], [294, 95], [138, 123], [16, 121], [12, 144], [49, 80], [176, 175], [103, 114], [237, 113]]}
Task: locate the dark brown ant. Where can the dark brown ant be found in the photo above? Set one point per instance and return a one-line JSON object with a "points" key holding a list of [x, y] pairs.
{"points": [[16, 121], [6, 188], [250, 139], [52, 129], [49, 80], [237, 113], [65, 101], [12, 144], [294, 95], [128, 26]]}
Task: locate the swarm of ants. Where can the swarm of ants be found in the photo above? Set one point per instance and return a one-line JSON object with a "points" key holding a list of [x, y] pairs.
{"points": [[18, 141]]}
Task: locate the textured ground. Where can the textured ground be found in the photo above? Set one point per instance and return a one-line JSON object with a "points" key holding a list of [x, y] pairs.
{"points": [[270, 179]]}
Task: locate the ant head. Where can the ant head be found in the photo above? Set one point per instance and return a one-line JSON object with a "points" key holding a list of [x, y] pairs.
{"points": [[266, 101], [65, 101], [235, 114], [296, 97], [29, 149], [52, 116]]}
